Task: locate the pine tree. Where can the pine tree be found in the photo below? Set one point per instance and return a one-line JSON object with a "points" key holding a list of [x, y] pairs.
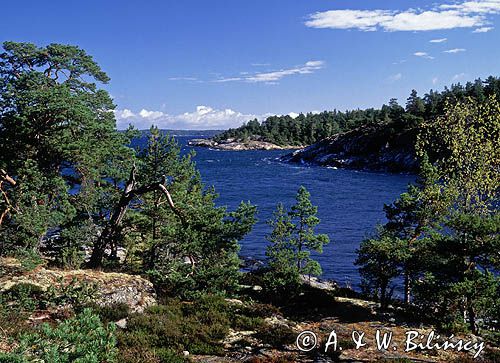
{"points": [[292, 239], [195, 249], [305, 240], [57, 133]]}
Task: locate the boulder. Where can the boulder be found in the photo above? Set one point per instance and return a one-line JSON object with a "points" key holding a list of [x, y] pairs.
{"points": [[110, 287]]}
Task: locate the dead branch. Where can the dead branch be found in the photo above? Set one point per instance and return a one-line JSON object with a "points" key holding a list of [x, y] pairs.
{"points": [[111, 231], [7, 178]]}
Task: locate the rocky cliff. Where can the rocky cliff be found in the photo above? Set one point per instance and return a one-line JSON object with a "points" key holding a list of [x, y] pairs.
{"points": [[367, 148]]}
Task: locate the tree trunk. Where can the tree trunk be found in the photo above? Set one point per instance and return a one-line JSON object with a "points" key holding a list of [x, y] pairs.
{"points": [[7, 178], [383, 295], [111, 231], [407, 288], [4, 177], [472, 317]]}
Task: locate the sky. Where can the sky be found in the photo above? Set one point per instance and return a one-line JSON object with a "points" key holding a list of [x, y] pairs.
{"points": [[214, 64]]}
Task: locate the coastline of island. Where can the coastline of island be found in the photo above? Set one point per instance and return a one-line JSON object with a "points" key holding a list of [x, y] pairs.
{"points": [[236, 145]]}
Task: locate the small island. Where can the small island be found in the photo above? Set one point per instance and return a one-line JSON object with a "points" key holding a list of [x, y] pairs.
{"points": [[236, 145]]}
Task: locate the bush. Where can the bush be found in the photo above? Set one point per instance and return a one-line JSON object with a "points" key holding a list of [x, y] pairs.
{"points": [[76, 293], [110, 313], [277, 336], [80, 339], [29, 259], [251, 316], [169, 329], [24, 296]]}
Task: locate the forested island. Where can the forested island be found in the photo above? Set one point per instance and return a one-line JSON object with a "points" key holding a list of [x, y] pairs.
{"points": [[373, 139], [110, 253]]}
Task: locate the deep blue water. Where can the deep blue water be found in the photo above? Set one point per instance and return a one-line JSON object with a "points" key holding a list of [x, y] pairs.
{"points": [[349, 202]]}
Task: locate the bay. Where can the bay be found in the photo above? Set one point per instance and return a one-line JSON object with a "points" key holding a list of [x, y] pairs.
{"points": [[350, 203]]}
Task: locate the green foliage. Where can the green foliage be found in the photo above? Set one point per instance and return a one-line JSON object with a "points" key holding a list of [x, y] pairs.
{"points": [[196, 327], [277, 336], [77, 293], [26, 297], [57, 134], [29, 259], [393, 118], [380, 259], [442, 235], [81, 339], [52, 118], [457, 279], [110, 313], [23, 296], [398, 247], [292, 240], [196, 252]]}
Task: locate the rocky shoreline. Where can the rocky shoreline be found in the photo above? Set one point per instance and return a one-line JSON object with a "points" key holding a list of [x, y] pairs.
{"points": [[371, 148], [365, 148], [233, 145]]}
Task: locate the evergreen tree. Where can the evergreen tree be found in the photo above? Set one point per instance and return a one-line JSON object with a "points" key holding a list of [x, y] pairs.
{"points": [[416, 212], [305, 240], [284, 274], [292, 240], [57, 133], [196, 248], [380, 259]]}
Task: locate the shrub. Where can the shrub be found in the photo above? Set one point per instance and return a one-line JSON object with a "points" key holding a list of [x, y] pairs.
{"points": [[24, 296], [110, 313], [166, 330], [81, 339], [29, 259], [76, 293], [277, 336]]}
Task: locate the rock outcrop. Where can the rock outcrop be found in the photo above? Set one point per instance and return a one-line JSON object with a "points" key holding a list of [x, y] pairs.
{"points": [[110, 287], [234, 145], [366, 148]]}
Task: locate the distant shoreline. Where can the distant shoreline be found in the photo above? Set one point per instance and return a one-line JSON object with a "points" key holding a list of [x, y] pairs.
{"points": [[232, 145]]}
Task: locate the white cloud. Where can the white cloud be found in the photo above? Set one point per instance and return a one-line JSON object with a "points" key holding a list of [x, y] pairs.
{"points": [[183, 79], [396, 77], [483, 29], [151, 114], [460, 15], [273, 77], [400, 62], [125, 113], [423, 55], [458, 77], [455, 50], [346, 19], [435, 80], [440, 40], [477, 6], [203, 118]]}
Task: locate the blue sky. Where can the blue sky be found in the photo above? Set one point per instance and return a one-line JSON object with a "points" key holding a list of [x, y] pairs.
{"points": [[214, 64]]}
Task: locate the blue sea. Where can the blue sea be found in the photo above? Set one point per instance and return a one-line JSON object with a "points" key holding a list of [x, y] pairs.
{"points": [[350, 203]]}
